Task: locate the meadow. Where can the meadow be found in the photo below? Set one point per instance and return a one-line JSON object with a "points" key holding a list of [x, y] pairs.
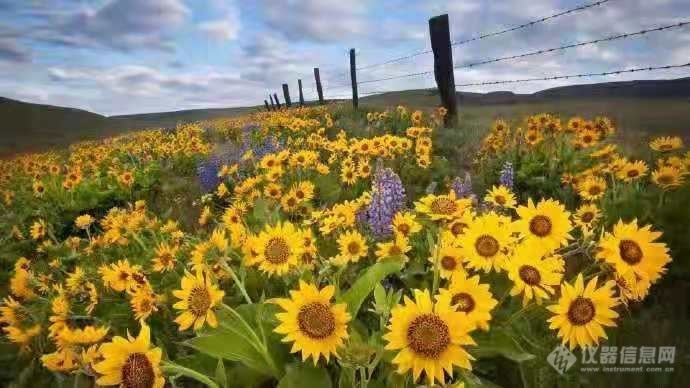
{"points": [[328, 247]]}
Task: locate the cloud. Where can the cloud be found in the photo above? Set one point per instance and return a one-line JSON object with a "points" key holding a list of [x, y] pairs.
{"points": [[121, 24], [315, 20], [221, 30], [11, 51]]}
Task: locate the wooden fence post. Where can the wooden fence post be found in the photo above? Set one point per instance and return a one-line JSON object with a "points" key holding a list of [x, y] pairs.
{"points": [[353, 78], [272, 103], [286, 95], [317, 77], [443, 66], [275, 97], [266, 105], [301, 95]]}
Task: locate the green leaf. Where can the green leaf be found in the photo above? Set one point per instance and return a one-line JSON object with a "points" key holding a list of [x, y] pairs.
{"points": [[221, 376], [499, 343], [305, 375], [328, 187], [354, 297]]}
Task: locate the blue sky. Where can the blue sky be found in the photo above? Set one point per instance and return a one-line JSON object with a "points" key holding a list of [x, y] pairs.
{"points": [[137, 56]]}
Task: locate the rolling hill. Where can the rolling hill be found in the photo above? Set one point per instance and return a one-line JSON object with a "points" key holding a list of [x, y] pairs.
{"points": [[647, 105]]}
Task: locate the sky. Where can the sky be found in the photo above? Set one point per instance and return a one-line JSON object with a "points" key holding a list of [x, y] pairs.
{"points": [[137, 56]]}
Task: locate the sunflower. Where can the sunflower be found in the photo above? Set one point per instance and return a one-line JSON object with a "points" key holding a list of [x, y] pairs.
{"points": [[471, 298], [532, 274], [666, 143], [12, 312], [130, 362], [533, 137], [630, 248], [485, 242], [312, 323], [143, 303], [198, 296], [38, 230], [587, 215], [449, 257], [582, 311], [428, 337], [592, 188], [165, 257], [501, 196], [405, 224], [547, 223], [120, 275], [351, 246], [668, 178], [278, 248], [273, 190], [457, 226], [443, 207], [348, 175], [39, 189], [632, 171], [304, 191], [84, 221], [399, 246]]}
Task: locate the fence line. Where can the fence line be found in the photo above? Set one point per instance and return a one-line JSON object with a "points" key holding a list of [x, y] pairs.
{"points": [[444, 67]]}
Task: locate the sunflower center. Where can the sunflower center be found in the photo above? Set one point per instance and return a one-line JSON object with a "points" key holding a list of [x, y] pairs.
{"points": [[594, 190], [529, 275], [448, 263], [353, 248], [395, 250], [665, 147], [486, 245], [463, 302], [137, 372], [587, 217], [443, 205], [630, 251], [540, 226], [458, 228], [633, 173], [199, 301], [501, 200], [277, 250], [665, 179], [428, 335], [581, 311], [404, 229], [316, 320], [291, 202]]}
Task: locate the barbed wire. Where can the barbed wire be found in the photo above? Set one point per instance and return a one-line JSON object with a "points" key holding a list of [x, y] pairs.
{"points": [[487, 35], [530, 23], [574, 45], [616, 72], [396, 77]]}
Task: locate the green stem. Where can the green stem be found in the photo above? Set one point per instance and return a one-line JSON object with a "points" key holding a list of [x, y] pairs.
{"points": [[171, 367], [238, 282]]}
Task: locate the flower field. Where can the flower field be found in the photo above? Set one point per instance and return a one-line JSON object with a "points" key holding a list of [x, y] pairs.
{"points": [[322, 247]]}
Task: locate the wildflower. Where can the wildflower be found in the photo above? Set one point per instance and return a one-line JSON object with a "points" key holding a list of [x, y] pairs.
{"points": [[387, 199], [198, 297]]}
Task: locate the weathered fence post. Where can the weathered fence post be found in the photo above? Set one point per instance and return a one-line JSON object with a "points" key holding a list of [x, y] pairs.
{"points": [[443, 66], [317, 77], [353, 78], [301, 96], [275, 97], [266, 105], [286, 95], [273, 105]]}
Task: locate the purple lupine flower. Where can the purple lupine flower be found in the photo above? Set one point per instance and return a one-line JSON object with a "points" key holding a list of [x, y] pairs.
{"points": [[207, 170], [506, 177], [261, 145], [387, 198], [463, 188]]}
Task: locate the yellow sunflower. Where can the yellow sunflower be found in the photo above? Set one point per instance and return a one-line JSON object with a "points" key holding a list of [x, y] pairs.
{"points": [[130, 362], [428, 337], [443, 207], [592, 188], [668, 178], [198, 297], [485, 243], [348, 175], [405, 224], [666, 143], [586, 216], [449, 257], [630, 248], [312, 323], [533, 275], [278, 248], [165, 257], [397, 247], [581, 312], [351, 246], [471, 298], [547, 223], [501, 196], [632, 171]]}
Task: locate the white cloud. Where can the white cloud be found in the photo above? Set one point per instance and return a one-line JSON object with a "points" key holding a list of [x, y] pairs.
{"points": [[222, 30]]}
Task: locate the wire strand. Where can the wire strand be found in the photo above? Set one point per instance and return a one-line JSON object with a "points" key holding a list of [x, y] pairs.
{"points": [[616, 72], [574, 45]]}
